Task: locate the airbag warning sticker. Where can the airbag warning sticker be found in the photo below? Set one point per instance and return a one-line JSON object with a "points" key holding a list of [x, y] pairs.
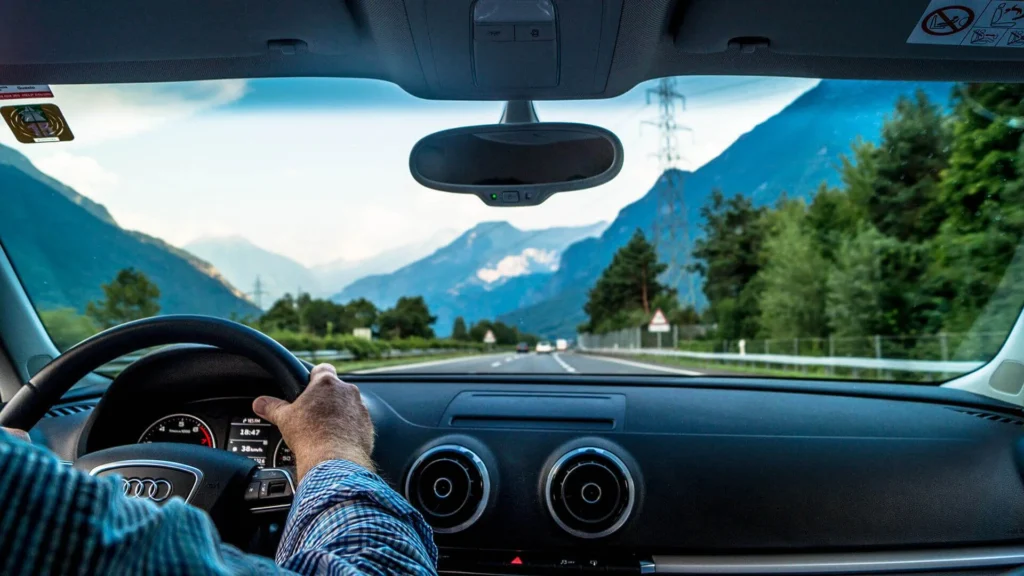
{"points": [[981, 23]]}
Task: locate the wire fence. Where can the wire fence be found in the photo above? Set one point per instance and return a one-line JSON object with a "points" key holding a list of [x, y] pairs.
{"points": [[931, 356]]}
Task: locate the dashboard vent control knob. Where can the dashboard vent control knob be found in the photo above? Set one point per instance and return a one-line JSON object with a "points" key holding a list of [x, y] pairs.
{"points": [[589, 492], [449, 485]]}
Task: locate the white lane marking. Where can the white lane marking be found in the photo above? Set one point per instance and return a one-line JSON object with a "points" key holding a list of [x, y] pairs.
{"points": [[425, 364], [496, 364], [562, 363], [509, 359], [647, 366]]}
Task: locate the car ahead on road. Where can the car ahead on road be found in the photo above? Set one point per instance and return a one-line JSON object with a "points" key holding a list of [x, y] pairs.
{"points": [[806, 415], [522, 348], [561, 345], [544, 347]]}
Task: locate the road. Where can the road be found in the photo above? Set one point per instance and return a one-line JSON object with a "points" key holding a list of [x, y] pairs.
{"points": [[533, 363]]}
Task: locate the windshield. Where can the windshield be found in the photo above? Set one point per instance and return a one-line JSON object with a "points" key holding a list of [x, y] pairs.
{"points": [[772, 226]]}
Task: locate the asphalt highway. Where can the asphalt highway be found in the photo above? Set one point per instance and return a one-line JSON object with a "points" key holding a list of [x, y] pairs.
{"points": [[533, 363]]}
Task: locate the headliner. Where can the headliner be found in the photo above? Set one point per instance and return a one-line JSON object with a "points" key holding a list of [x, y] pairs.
{"points": [[117, 41]]}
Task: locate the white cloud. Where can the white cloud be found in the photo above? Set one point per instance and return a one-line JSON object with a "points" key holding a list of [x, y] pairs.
{"points": [[520, 264], [83, 173], [98, 113]]}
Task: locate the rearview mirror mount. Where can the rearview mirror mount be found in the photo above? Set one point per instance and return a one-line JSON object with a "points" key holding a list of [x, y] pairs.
{"points": [[516, 163]]}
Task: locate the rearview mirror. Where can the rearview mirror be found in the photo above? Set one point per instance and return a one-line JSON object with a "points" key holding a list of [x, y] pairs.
{"points": [[516, 164]]}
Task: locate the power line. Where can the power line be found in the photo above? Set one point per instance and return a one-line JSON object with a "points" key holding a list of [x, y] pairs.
{"points": [[670, 231]]}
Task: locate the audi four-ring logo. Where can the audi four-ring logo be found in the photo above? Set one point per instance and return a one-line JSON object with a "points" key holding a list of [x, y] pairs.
{"points": [[156, 490]]}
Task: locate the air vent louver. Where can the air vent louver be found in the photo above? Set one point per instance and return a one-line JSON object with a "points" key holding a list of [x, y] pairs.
{"points": [[589, 492], [449, 485], [68, 410], [990, 416]]}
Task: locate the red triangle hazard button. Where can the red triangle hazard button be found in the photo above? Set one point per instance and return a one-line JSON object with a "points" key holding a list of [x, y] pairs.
{"points": [[516, 561]]}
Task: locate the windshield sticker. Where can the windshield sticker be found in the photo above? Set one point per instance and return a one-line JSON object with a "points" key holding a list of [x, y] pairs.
{"points": [[981, 23], [36, 123], [25, 91]]}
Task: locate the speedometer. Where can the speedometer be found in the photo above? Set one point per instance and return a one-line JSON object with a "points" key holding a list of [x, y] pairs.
{"points": [[283, 455], [180, 429]]}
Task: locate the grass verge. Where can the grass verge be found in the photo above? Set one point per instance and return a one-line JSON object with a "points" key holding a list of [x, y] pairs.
{"points": [[816, 372]]}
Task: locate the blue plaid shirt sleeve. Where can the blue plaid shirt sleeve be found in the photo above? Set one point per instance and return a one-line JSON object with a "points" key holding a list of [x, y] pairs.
{"points": [[57, 520], [346, 520]]}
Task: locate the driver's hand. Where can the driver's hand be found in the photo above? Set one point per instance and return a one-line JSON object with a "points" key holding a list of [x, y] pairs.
{"points": [[328, 421], [19, 434]]}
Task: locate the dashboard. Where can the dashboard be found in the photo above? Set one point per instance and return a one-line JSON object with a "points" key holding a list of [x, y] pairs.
{"points": [[611, 475]]}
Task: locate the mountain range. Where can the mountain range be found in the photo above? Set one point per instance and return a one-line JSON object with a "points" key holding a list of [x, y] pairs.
{"points": [[65, 246], [490, 269], [242, 262], [792, 152]]}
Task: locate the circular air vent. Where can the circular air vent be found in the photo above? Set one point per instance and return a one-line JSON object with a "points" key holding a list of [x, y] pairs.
{"points": [[449, 485], [589, 492]]}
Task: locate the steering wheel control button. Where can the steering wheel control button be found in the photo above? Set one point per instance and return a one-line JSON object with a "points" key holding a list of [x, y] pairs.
{"points": [[273, 484], [252, 492], [449, 485], [589, 492]]}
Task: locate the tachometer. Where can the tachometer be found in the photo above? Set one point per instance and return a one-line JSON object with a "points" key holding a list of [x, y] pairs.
{"points": [[181, 429], [283, 455]]}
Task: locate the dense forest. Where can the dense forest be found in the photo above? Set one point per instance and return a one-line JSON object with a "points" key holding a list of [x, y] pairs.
{"points": [[919, 240]]}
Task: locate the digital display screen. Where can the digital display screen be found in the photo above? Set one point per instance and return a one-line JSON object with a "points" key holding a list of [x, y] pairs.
{"points": [[250, 436]]}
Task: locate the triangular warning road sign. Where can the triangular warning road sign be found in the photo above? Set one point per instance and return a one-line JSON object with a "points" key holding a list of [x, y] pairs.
{"points": [[659, 318]]}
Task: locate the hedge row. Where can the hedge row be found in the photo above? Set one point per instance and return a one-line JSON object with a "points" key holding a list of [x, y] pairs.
{"points": [[362, 348]]}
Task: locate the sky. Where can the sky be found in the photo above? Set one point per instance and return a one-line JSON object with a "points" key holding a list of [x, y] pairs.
{"points": [[317, 169]]}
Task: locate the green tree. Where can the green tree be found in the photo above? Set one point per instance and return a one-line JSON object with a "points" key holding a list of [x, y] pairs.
{"points": [[728, 256], [983, 188], [322, 317], [627, 286], [904, 171], [832, 218], [363, 313], [410, 317], [129, 296], [282, 315], [459, 331], [866, 295], [67, 327], [793, 279]]}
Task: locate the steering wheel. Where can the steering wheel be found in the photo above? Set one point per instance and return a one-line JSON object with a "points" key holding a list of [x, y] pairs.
{"points": [[218, 481]]}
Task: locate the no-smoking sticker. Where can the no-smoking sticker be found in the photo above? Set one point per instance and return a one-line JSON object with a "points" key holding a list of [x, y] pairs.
{"points": [[947, 20], [977, 23]]}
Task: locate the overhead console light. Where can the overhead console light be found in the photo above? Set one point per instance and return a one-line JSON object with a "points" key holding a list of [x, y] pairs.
{"points": [[515, 43]]}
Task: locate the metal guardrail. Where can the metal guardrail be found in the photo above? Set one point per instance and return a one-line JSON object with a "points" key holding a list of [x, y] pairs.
{"points": [[312, 356], [886, 364]]}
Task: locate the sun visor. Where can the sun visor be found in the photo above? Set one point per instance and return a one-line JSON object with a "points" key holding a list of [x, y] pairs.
{"points": [[72, 32], [947, 29]]}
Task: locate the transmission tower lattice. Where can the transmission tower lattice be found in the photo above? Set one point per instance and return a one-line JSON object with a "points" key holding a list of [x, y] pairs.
{"points": [[670, 232], [257, 293]]}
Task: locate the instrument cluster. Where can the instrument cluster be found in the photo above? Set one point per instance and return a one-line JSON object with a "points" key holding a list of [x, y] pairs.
{"points": [[232, 427]]}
